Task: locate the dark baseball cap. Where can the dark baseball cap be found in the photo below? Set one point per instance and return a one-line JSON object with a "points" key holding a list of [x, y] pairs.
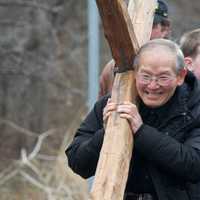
{"points": [[161, 13]]}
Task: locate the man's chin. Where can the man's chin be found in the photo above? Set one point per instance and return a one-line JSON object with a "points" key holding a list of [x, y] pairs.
{"points": [[152, 103]]}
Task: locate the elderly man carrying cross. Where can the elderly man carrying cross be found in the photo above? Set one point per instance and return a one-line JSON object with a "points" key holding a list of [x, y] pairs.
{"points": [[165, 125]]}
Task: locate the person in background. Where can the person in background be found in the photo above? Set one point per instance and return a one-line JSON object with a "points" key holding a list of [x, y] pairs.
{"points": [[161, 29], [165, 125], [190, 45]]}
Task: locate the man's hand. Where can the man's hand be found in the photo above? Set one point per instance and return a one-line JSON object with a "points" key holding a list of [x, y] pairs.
{"points": [[130, 112], [109, 108], [127, 110]]}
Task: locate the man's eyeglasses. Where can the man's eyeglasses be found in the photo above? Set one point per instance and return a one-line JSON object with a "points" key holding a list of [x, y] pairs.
{"points": [[162, 80]]}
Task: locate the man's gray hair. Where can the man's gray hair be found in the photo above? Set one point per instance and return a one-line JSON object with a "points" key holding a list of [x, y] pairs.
{"points": [[169, 45]]}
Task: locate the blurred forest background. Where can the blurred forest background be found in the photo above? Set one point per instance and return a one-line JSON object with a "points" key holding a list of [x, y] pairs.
{"points": [[43, 91]]}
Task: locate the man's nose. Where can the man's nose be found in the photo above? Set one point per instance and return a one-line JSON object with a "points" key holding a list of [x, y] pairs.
{"points": [[153, 84]]}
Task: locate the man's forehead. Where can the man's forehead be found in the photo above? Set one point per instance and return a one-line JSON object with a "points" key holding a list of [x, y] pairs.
{"points": [[157, 50], [158, 56], [161, 68]]}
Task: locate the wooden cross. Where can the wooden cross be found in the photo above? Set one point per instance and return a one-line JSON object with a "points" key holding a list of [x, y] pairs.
{"points": [[125, 34]]}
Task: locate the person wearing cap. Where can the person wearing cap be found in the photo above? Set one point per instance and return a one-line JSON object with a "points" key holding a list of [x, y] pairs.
{"points": [[165, 124], [161, 29], [190, 45], [161, 23]]}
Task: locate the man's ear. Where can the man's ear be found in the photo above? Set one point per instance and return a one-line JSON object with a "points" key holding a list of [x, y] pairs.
{"points": [[188, 63], [181, 76]]}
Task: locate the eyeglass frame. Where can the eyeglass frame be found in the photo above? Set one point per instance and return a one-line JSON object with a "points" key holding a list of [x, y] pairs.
{"points": [[157, 79]]}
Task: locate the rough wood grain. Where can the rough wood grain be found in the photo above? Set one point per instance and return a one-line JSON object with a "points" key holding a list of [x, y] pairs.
{"points": [[113, 166], [141, 13], [118, 31]]}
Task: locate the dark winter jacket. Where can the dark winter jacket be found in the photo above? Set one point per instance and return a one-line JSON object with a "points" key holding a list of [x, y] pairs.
{"points": [[166, 158]]}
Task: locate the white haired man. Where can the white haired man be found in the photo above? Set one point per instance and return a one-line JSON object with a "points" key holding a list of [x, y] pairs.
{"points": [[165, 125]]}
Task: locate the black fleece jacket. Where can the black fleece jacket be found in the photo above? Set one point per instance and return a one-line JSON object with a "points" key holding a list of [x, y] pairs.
{"points": [[166, 149]]}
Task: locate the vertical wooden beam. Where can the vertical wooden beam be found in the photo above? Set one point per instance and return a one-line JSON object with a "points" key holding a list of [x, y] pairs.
{"points": [[120, 36], [112, 170], [141, 13]]}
